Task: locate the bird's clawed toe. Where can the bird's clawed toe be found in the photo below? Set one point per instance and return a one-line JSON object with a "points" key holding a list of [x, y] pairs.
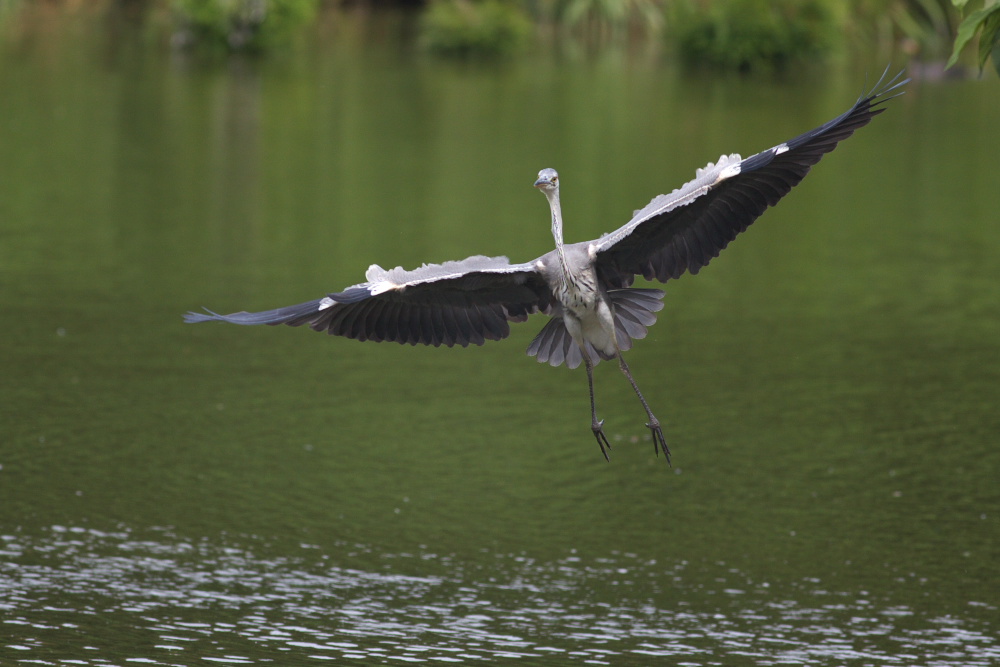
{"points": [[602, 440], [659, 442]]}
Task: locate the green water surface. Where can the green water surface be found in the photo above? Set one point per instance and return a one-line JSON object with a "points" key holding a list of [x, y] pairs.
{"points": [[171, 493]]}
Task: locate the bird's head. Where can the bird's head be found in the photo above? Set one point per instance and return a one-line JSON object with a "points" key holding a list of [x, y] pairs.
{"points": [[548, 180]]}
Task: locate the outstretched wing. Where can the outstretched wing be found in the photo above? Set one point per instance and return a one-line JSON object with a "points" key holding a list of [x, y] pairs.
{"points": [[455, 303], [682, 231]]}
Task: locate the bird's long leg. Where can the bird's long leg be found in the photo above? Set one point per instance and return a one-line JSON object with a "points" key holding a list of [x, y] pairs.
{"points": [[659, 442], [596, 426]]}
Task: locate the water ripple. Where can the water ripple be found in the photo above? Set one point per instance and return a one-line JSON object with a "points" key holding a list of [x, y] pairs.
{"points": [[80, 596]]}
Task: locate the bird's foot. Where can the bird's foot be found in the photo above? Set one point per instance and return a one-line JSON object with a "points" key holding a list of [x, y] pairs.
{"points": [[659, 442], [602, 440]]}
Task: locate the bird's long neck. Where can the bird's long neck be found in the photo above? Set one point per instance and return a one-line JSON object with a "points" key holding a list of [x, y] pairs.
{"points": [[557, 228]]}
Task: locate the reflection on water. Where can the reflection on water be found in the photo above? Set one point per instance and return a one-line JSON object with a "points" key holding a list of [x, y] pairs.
{"points": [[69, 593]]}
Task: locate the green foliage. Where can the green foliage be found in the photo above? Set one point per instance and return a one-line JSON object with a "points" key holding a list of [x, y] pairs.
{"points": [[240, 25], [752, 34], [985, 22], [467, 28]]}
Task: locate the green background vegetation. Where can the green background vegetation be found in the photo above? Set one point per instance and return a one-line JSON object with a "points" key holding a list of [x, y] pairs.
{"points": [[740, 35]]}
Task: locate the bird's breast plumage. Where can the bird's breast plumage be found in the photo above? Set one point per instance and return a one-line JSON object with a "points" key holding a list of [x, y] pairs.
{"points": [[578, 291]]}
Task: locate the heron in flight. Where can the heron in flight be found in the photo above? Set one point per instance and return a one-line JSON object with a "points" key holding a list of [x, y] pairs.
{"points": [[585, 288]]}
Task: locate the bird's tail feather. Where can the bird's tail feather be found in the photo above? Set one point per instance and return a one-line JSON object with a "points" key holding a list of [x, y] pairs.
{"points": [[634, 310]]}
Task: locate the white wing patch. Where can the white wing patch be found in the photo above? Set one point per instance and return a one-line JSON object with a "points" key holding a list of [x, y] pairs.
{"points": [[704, 180], [729, 171], [375, 273], [326, 302], [725, 161], [379, 280]]}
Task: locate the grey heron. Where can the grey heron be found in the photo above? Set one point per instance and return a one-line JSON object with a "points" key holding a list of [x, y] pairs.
{"points": [[585, 288]]}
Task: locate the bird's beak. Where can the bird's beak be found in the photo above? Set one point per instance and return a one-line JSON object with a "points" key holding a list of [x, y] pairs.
{"points": [[541, 182]]}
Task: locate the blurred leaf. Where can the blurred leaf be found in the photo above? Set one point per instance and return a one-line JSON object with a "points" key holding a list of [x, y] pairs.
{"points": [[986, 18], [988, 38]]}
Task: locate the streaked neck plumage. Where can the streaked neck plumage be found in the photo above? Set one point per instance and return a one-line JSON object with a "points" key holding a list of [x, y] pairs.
{"points": [[557, 226]]}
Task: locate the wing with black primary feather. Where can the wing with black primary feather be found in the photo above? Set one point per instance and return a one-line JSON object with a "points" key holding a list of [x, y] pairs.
{"points": [[455, 303], [682, 231]]}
